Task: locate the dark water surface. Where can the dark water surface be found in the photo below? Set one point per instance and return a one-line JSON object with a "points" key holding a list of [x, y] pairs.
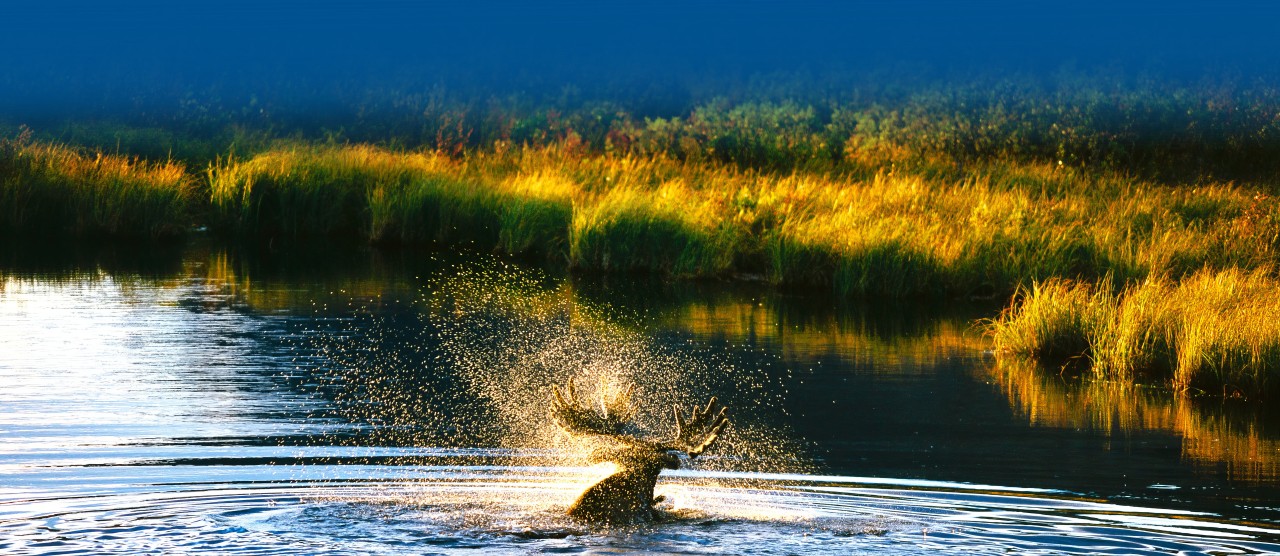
{"points": [[201, 400]]}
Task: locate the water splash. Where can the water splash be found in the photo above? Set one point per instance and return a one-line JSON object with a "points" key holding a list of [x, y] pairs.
{"points": [[472, 361], [512, 338]]}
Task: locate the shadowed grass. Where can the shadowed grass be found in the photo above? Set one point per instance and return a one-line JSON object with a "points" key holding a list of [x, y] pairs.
{"points": [[1216, 331], [671, 230], [378, 195], [48, 189]]}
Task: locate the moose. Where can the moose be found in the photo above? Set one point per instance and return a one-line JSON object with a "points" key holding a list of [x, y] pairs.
{"points": [[626, 497]]}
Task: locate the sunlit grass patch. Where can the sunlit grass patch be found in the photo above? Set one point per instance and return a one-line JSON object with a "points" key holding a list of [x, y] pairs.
{"points": [[1054, 320], [1215, 331], [51, 189], [321, 191], [1229, 332]]}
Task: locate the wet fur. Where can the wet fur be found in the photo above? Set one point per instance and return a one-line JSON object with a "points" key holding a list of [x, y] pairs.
{"points": [[626, 496]]}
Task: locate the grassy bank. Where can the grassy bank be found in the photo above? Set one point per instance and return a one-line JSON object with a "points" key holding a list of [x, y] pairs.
{"points": [[55, 190], [1216, 331], [893, 233], [591, 212], [1200, 262]]}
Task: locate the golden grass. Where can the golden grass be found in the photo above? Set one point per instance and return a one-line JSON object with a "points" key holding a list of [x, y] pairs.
{"points": [[1216, 331], [49, 189], [998, 226]]}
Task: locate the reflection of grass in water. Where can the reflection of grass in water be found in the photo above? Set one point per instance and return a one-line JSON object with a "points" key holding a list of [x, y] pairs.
{"points": [[803, 336], [275, 290], [1210, 436], [70, 261], [795, 328]]}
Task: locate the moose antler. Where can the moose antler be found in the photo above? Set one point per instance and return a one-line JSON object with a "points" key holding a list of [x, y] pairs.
{"points": [[701, 430], [610, 417]]}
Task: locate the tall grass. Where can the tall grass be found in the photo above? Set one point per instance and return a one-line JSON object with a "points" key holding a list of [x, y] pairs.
{"points": [[890, 233], [1055, 320], [55, 190], [363, 192], [1215, 331], [355, 192]]}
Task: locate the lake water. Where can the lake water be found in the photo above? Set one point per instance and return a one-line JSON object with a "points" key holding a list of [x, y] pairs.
{"points": [[199, 399]]}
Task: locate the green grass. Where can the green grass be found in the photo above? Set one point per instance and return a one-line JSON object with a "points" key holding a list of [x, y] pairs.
{"points": [[1214, 331], [54, 190]]}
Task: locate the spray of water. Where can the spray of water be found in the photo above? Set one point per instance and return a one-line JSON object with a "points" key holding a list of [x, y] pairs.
{"points": [[511, 338], [470, 364]]}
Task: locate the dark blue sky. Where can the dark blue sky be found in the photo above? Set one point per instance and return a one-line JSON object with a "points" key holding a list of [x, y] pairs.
{"points": [[56, 50]]}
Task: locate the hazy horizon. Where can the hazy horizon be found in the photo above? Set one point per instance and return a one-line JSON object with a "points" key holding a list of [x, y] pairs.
{"points": [[65, 55]]}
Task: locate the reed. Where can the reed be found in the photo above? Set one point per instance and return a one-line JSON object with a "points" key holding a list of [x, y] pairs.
{"points": [[53, 190], [1215, 331]]}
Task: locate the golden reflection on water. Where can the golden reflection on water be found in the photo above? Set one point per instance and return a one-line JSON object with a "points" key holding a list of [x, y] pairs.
{"points": [[1211, 438], [272, 292], [797, 335], [1215, 435], [808, 336]]}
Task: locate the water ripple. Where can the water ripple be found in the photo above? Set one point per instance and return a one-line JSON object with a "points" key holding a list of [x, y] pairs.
{"points": [[382, 510]]}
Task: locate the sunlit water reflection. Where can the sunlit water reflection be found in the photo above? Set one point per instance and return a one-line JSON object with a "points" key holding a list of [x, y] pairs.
{"points": [[370, 411]]}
